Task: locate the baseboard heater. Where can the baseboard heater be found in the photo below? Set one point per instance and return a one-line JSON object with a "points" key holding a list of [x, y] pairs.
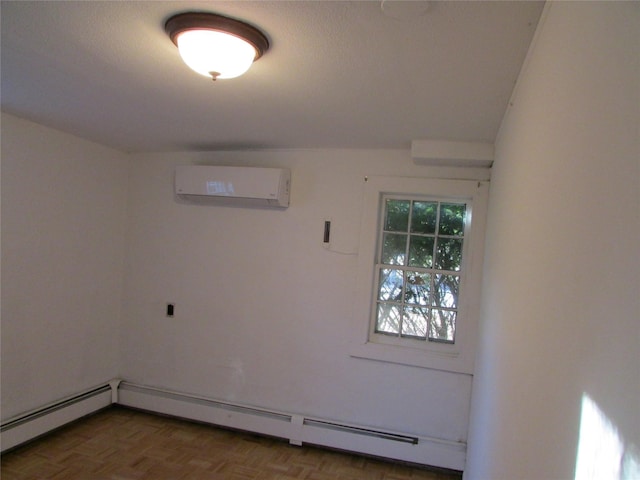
{"points": [[30, 425], [296, 428]]}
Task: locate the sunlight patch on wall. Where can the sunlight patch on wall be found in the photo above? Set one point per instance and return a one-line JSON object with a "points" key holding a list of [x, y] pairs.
{"points": [[602, 454]]}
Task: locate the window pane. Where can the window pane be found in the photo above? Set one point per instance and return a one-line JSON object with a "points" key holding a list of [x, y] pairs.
{"points": [[442, 327], [390, 287], [394, 248], [421, 251], [449, 254], [414, 322], [388, 319], [423, 218], [418, 288], [452, 219], [445, 291], [397, 215], [420, 241]]}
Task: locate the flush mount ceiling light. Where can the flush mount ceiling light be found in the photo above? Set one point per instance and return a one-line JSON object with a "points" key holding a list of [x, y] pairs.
{"points": [[216, 46]]}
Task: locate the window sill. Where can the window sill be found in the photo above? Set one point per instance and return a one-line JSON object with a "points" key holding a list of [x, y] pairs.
{"points": [[413, 357]]}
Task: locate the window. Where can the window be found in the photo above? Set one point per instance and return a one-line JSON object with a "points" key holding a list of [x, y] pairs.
{"points": [[418, 268], [420, 260]]}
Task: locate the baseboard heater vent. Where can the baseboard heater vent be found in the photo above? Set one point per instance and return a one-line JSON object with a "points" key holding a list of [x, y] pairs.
{"points": [[27, 426], [362, 431], [207, 402], [296, 428]]}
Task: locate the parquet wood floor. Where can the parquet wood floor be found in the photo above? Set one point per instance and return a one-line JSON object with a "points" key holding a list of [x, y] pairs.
{"points": [[124, 444]]}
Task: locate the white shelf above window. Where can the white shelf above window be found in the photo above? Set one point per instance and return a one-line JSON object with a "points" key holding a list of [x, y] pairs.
{"points": [[452, 153]]}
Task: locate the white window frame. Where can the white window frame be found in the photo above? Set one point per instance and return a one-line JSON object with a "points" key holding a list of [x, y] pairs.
{"points": [[455, 357]]}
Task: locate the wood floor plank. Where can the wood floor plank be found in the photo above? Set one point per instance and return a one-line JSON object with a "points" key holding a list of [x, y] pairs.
{"points": [[124, 444]]}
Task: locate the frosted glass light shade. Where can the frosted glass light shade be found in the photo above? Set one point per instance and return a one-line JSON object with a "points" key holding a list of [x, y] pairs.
{"points": [[215, 54], [216, 46]]}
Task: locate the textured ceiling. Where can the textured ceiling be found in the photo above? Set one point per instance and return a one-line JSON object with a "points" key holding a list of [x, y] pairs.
{"points": [[338, 74]]}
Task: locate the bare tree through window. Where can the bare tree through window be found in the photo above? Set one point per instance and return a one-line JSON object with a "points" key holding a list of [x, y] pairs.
{"points": [[419, 264]]}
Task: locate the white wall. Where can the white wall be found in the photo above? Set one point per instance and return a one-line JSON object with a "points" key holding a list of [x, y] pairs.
{"points": [[63, 222], [561, 315], [94, 245], [263, 312]]}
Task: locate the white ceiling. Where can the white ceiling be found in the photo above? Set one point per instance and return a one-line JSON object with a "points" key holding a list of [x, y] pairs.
{"points": [[338, 74]]}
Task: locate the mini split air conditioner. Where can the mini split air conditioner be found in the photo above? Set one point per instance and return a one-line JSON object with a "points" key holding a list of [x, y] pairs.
{"points": [[244, 186]]}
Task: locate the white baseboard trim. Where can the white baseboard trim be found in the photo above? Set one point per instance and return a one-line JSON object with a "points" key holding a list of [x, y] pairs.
{"points": [[30, 425], [297, 429]]}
